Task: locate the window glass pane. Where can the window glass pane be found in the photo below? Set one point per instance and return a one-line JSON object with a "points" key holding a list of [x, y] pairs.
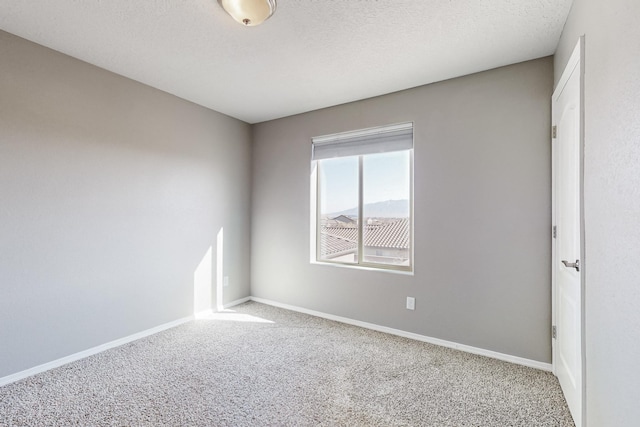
{"points": [[338, 209], [386, 208]]}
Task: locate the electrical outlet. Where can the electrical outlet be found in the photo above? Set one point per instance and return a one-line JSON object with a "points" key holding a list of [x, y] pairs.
{"points": [[225, 282], [411, 303]]}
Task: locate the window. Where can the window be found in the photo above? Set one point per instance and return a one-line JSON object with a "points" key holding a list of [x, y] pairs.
{"points": [[362, 185]]}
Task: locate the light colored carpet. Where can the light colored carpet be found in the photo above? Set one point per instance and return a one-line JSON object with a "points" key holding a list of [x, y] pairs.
{"points": [[295, 370]]}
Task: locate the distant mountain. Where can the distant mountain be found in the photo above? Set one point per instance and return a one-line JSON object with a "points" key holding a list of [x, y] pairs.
{"points": [[386, 209]]}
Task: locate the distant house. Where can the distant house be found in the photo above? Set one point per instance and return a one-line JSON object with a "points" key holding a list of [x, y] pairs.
{"points": [[345, 219], [386, 240], [339, 221]]}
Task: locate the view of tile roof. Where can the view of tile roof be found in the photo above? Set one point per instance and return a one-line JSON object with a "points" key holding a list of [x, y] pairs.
{"points": [[342, 238], [333, 245]]}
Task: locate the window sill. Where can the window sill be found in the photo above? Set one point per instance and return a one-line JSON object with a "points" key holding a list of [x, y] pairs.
{"points": [[362, 267]]}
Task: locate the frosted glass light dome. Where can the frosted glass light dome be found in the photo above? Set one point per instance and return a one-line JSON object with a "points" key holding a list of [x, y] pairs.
{"points": [[249, 12]]}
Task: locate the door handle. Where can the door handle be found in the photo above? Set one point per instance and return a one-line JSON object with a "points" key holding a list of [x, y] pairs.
{"points": [[575, 265]]}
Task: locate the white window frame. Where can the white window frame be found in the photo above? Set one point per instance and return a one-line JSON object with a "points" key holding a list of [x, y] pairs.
{"points": [[351, 141]]}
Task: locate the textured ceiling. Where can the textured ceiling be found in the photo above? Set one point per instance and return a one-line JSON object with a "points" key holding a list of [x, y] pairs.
{"points": [[311, 54]]}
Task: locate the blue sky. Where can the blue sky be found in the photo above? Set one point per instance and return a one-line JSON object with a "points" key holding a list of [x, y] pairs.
{"points": [[385, 175]]}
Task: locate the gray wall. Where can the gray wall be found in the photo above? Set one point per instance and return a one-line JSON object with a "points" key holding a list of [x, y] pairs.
{"points": [[482, 213], [612, 204], [111, 193]]}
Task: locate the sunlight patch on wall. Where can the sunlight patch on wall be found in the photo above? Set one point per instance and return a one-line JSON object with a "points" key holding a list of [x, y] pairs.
{"points": [[220, 270], [202, 281]]}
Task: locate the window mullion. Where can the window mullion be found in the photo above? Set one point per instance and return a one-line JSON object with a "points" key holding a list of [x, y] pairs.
{"points": [[318, 216], [360, 212]]}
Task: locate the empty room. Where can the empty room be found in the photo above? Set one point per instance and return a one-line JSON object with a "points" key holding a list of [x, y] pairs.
{"points": [[305, 212]]}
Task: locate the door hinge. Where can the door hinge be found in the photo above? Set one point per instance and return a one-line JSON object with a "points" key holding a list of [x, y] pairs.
{"points": [[554, 231], [554, 132], [553, 332]]}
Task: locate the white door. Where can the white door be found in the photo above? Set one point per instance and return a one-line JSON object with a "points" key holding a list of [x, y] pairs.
{"points": [[567, 267]]}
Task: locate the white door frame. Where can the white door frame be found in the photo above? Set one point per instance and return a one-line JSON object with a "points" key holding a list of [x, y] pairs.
{"points": [[576, 60]]}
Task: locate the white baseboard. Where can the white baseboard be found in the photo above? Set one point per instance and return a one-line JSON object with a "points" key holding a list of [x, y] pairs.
{"points": [[237, 302], [90, 352], [205, 314], [462, 347], [116, 343]]}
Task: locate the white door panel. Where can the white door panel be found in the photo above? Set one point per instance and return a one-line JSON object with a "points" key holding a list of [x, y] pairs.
{"points": [[567, 294]]}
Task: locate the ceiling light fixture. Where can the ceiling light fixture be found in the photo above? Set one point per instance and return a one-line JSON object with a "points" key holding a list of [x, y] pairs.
{"points": [[249, 12]]}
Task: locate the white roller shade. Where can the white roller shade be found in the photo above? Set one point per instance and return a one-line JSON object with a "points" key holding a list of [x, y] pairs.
{"points": [[367, 141]]}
